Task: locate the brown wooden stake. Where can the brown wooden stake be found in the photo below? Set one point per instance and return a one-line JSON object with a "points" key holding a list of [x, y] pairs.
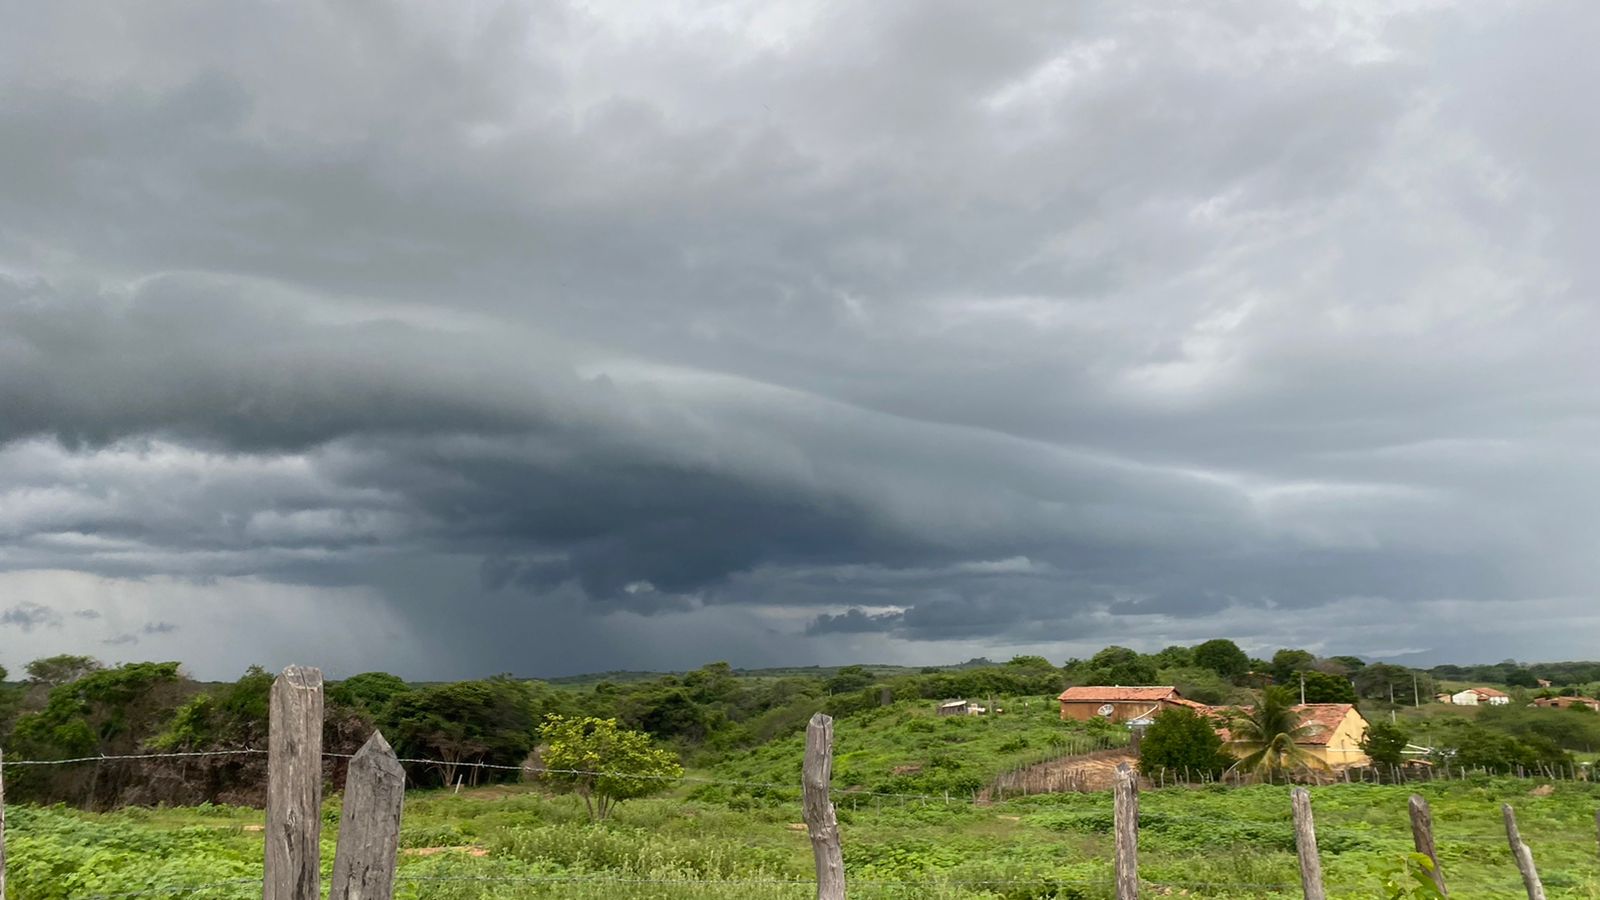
{"points": [[1422, 838], [369, 828], [294, 787], [1523, 856], [1305, 842], [821, 823], [1127, 828]]}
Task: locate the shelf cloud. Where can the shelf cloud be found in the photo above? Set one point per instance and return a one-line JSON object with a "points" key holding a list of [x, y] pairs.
{"points": [[590, 336]]}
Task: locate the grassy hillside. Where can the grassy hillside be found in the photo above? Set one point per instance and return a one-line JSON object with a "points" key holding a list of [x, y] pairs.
{"points": [[512, 842], [907, 748]]}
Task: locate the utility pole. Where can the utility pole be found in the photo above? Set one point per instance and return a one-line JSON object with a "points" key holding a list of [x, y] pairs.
{"points": [[1416, 698], [1302, 689]]}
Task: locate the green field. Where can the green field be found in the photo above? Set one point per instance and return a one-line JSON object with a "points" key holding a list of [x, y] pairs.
{"points": [[905, 782], [906, 748], [513, 841]]}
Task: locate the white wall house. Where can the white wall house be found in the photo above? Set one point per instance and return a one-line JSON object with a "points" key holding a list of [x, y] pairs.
{"points": [[1476, 696]]}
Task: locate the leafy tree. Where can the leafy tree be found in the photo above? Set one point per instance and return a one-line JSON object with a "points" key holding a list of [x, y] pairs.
{"points": [[233, 716], [1200, 685], [1116, 665], [602, 763], [1030, 662], [110, 711], [60, 669], [1285, 663], [1223, 657], [1181, 741], [10, 699], [670, 713], [711, 683], [487, 721], [1385, 743], [1173, 657], [1273, 728], [1350, 663], [847, 679], [1381, 680], [368, 692], [1324, 688]]}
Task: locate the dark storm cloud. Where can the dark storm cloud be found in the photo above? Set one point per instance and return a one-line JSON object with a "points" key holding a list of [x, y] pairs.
{"points": [[894, 324], [28, 616], [854, 621]]}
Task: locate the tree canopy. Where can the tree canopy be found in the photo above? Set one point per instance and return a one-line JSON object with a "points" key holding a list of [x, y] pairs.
{"points": [[603, 763], [1181, 741], [1223, 657], [1385, 743]]}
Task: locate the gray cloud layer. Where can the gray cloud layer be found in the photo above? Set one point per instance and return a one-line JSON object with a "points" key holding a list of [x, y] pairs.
{"points": [[571, 338]]}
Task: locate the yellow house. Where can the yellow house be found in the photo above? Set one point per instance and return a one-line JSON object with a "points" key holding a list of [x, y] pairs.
{"points": [[1335, 734]]}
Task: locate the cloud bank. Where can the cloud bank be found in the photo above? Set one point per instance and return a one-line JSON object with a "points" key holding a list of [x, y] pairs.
{"points": [[582, 337]]}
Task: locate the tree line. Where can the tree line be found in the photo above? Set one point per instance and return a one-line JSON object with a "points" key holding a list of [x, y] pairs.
{"points": [[73, 706]]}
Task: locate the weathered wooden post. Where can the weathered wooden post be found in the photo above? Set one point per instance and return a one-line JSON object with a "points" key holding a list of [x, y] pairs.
{"points": [[369, 827], [1422, 838], [1305, 842], [1126, 817], [294, 787], [1523, 856], [821, 824]]}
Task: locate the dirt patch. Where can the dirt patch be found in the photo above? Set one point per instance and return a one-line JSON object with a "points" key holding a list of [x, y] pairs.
{"points": [[905, 770], [1543, 790], [796, 826], [1088, 772]]}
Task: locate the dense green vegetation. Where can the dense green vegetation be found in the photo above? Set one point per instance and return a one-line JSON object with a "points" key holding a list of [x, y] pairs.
{"points": [[1210, 842], [723, 718], [912, 787]]}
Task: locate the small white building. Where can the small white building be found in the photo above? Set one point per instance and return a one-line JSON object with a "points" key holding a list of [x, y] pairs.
{"points": [[1480, 696]]}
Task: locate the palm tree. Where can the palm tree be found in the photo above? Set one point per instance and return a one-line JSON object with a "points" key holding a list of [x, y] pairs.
{"points": [[1273, 727]]}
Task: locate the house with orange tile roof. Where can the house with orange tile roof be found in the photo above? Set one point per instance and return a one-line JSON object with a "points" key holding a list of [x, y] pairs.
{"points": [[1566, 702], [1122, 704], [1334, 735]]}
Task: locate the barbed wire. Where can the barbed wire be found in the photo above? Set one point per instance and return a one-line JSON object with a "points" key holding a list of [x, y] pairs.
{"points": [[996, 791], [8, 763]]}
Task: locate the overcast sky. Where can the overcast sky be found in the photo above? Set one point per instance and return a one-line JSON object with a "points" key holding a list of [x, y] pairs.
{"points": [[458, 338]]}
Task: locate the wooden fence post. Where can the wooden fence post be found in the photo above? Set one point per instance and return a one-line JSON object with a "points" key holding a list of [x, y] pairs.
{"points": [[1523, 856], [294, 787], [1127, 827], [821, 824], [1422, 838], [2, 824], [369, 827], [1305, 843]]}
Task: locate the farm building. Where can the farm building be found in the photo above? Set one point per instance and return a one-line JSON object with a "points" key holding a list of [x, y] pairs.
{"points": [[1120, 704], [1480, 695], [1335, 735], [1567, 702], [960, 708]]}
